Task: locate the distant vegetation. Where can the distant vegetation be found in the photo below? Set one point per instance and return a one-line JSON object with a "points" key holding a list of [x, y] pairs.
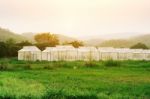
{"points": [[75, 44], [117, 43], [139, 46], [126, 43], [10, 47], [7, 34]]}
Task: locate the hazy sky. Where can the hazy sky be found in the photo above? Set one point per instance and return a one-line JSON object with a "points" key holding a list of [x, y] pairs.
{"points": [[76, 17]]}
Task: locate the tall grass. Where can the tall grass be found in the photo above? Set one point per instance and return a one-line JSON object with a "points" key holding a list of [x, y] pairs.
{"points": [[75, 80], [112, 63]]}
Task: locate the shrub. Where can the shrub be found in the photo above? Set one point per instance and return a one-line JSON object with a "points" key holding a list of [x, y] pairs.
{"points": [[3, 66], [112, 63], [90, 64]]}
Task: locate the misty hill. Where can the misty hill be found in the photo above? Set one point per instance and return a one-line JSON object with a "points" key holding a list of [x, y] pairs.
{"points": [[93, 42], [6, 34], [122, 42], [145, 39], [62, 38], [29, 35], [117, 43]]}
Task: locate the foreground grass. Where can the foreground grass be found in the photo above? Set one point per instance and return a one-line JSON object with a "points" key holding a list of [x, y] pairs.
{"points": [[74, 80]]}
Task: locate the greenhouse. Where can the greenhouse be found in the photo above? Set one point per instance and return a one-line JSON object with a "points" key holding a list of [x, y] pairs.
{"points": [[69, 53], [29, 53]]}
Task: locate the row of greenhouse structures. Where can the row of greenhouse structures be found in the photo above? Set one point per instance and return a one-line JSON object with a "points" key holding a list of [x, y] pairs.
{"points": [[69, 53]]}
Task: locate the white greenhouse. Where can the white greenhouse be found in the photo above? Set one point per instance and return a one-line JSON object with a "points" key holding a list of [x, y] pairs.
{"points": [[69, 53], [72, 54], [87, 53], [138, 54], [107, 53], [29, 53], [50, 54], [124, 54], [60, 53], [147, 54]]}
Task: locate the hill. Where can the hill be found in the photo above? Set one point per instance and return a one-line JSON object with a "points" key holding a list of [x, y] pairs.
{"points": [[145, 39], [117, 43], [29, 36], [6, 34], [62, 38], [120, 42], [93, 42]]}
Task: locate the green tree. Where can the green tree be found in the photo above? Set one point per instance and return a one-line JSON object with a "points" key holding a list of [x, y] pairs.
{"points": [[3, 49], [24, 43], [12, 48], [139, 46]]}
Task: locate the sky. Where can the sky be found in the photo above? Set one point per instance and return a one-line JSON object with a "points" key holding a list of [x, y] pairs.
{"points": [[76, 18]]}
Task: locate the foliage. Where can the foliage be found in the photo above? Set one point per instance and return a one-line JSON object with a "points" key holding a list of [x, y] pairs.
{"points": [[42, 46], [3, 49], [10, 47], [139, 46], [47, 38], [75, 44], [24, 43], [3, 66]]}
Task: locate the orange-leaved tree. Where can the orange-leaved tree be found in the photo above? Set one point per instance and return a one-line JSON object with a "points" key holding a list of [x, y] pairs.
{"points": [[46, 40], [75, 43]]}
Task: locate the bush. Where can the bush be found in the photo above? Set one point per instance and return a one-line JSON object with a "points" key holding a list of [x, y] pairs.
{"points": [[112, 63], [90, 64], [3, 66]]}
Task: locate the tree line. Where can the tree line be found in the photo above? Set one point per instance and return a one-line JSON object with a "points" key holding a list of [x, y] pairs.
{"points": [[10, 47]]}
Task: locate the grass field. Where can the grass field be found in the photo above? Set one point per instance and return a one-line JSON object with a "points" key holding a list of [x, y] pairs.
{"points": [[74, 80]]}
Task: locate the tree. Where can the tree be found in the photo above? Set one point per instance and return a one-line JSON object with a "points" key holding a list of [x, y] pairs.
{"points": [[75, 44], [10, 41], [8, 48], [139, 46], [3, 49], [46, 39], [24, 43], [12, 49]]}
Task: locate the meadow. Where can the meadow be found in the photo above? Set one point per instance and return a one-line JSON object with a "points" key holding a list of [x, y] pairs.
{"points": [[74, 80]]}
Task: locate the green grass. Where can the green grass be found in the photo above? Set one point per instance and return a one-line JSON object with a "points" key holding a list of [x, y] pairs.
{"points": [[74, 80]]}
